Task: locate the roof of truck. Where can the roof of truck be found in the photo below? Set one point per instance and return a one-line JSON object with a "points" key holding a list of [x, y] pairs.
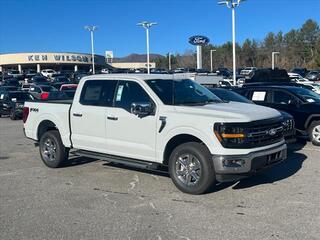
{"points": [[141, 76]]}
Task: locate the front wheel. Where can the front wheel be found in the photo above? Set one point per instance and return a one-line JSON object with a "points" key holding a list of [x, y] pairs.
{"points": [[191, 168], [52, 151], [314, 133]]}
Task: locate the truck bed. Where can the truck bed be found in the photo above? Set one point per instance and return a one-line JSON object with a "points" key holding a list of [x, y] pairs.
{"points": [[42, 112]]}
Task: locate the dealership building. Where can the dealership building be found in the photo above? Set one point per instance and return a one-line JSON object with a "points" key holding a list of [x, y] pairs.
{"points": [[50, 60]]}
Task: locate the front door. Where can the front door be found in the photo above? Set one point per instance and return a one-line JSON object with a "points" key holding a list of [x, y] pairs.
{"points": [[129, 135]]}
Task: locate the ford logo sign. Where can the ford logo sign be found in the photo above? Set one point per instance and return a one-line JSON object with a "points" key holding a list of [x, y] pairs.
{"points": [[199, 40], [272, 132]]}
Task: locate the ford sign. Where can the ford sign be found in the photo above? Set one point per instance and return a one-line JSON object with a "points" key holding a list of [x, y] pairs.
{"points": [[199, 40]]}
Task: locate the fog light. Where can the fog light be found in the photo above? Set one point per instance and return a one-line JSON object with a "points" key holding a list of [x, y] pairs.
{"points": [[234, 163]]}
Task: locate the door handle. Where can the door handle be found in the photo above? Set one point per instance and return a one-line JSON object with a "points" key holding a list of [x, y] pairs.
{"points": [[77, 114], [112, 118]]}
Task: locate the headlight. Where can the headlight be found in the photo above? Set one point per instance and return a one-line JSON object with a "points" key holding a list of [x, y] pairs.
{"points": [[228, 134]]}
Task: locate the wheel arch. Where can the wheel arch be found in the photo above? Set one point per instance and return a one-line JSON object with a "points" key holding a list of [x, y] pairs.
{"points": [[44, 126], [310, 119], [176, 141]]}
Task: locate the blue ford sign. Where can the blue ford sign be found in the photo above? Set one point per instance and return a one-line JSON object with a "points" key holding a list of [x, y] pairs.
{"points": [[198, 40]]}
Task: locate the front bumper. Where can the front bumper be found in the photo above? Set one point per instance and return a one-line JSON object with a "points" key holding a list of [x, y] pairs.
{"points": [[235, 167]]}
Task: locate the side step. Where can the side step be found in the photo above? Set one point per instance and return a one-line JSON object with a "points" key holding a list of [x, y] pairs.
{"points": [[116, 159]]}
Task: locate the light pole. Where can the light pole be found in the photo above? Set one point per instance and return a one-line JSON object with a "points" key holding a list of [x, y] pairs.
{"points": [[91, 29], [273, 58], [169, 61], [146, 26], [211, 59], [232, 4]]}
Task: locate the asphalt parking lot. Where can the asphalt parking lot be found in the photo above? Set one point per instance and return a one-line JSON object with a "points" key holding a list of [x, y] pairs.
{"points": [[95, 200]]}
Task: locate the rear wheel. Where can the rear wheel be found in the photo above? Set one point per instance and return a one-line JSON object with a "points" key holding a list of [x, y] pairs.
{"points": [[191, 168], [13, 115], [52, 151], [314, 133]]}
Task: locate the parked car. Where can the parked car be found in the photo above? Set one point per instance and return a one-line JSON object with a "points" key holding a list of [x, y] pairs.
{"points": [[302, 81], [39, 80], [25, 87], [48, 72], [4, 89], [15, 74], [313, 76], [288, 121], [69, 89], [313, 87], [155, 120], [301, 103], [301, 71], [11, 82], [29, 73], [11, 103], [77, 77], [247, 71], [41, 91]]}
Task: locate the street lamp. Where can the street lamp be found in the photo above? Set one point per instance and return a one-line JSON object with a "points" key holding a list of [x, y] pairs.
{"points": [[273, 58], [211, 59], [169, 61], [91, 29], [146, 26], [232, 4]]}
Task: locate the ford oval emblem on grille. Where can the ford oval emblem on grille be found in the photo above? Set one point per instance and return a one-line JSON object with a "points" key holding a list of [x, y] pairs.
{"points": [[272, 132]]}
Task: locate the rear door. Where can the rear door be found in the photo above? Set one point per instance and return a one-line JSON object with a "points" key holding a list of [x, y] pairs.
{"points": [[88, 116], [129, 135]]}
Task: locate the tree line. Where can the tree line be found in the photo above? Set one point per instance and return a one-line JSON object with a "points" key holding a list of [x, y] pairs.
{"points": [[298, 48]]}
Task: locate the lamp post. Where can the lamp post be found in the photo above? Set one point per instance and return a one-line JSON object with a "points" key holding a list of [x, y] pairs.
{"points": [[91, 29], [273, 58], [232, 4], [169, 61], [147, 25], [211, 59]]}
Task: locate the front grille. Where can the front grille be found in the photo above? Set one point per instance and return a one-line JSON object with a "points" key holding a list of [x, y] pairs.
{"points": [[264, 134], [257, 134]]}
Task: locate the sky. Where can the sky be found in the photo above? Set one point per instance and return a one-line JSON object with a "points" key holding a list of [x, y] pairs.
{"points": [[58, 26]]}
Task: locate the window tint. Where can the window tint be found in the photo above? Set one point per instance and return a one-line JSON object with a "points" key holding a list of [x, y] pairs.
{"points": [[128, 93], [280, 97], [98, 93]]}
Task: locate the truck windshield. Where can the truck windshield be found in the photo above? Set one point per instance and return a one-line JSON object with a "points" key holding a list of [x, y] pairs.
{"points": [[182, 92], [307, 94]]}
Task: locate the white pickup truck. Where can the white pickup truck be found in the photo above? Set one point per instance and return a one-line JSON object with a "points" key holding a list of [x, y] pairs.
{"points": [[153, 121]]}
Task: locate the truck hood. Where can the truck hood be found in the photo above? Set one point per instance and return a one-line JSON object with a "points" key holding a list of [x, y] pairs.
{"points": [[231, 111]]}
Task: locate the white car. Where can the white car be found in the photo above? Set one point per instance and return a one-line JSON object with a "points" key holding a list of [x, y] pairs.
{"points": [[48, 72], [150, 121], [247, 71], [315, 87]]}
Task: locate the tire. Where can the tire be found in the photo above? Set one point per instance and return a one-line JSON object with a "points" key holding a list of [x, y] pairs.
{"points": [[314, 133], [13, 116], [52, 151], [191, 168]]}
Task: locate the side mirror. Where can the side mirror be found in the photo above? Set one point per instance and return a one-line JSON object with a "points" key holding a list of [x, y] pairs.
{"points": [[142, 108]]}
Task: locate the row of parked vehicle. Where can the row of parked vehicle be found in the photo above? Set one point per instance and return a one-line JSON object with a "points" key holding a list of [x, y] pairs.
{"points": [[35, 86]]}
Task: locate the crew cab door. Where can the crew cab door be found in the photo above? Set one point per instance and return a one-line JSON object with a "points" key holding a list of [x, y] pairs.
{"points": [[130, 135], [88, 115]]}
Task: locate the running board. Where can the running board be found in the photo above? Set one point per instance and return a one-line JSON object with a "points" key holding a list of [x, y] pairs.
{"points": [[116, 159]]}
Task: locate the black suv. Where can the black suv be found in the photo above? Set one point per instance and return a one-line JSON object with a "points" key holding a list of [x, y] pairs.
{"points": [[301, 103], [11, 103]]}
